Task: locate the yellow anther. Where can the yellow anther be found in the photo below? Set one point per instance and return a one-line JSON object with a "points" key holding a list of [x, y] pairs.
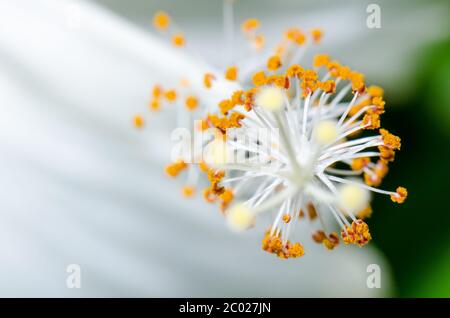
{"points": [[391, 141], [170, 95], [273, 244], [191, 102], [334, 68], [360, 163], [235, 119], [161, 20], [316, 35], [258, 41], [310, 75], [357, 80], [178, 39], [375, 91], [295, 71], [295, 35], [231, 73], [259, 78], [188, 191], [175, 168], [321, 60], [203, 167], [372, 121], [225, 106], [138, 121], [209, 196], [400, 195], [301, 214], [378, 106], [286, 218], [226, 197], [357, 107], [381, 169], [331, 241], [344, 72], [250, 25], [237, 98], [312, 213], [278, 80], [386, 154], [155, 105], [358, 233], [249, 95], [319, 236], [309, 83], [273, 63], [328, 87], [208, 78], [295, 250], [157, 91]]}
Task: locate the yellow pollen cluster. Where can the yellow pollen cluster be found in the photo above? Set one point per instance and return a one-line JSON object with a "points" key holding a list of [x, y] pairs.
{"points": [[249, 28], [215, 191], [188, 191], [330, 241], [375, 98], [321, 60], [273, 244], [259, 78], [224, 123], [371, 121], [312, 213], [328, 87], [161, 20], [295, 71], [170, 95], [360, 163], [158, 93], [309, 82], [208, 78], [231, 73], [375, 175], [273, 63], [174, 169], [358, 233], [250, 25], [391, 141], [178, 39], [295, 35], [317, 35], [191, 103], [138, 121], [400, 196], [286, 218], [258, 41]]}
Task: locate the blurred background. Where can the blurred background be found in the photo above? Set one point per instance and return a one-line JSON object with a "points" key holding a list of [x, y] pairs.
{"points": [[79, 185]]}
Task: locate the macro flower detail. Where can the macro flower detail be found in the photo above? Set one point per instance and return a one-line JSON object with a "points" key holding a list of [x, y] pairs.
{"points": [[302, 143], [319, 160]]}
